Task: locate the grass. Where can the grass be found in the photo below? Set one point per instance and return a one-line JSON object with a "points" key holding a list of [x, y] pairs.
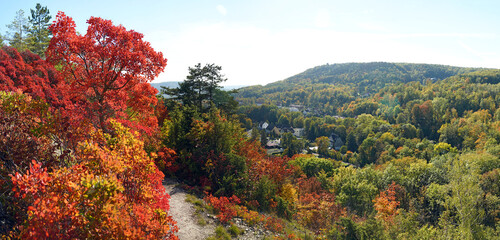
{"points": [[200, 220], [199, 206], [235, 230], [194, 200], [220, 234]]}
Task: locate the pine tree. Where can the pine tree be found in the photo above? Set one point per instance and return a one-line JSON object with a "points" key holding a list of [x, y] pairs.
{"points": [[201, 86], [38, 32]]}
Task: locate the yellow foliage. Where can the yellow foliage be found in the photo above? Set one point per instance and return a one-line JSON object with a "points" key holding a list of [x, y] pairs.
{"points": [[289, 193]]}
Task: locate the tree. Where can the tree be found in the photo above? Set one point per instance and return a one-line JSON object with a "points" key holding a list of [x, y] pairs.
{"points": [[422, 116], [212, 155], [108, 69], [202, 84], [38, 31], [32, 75], [356, 188], [313, 166], [386, 205], [466, 195], [225, 101], [17, 34], [291, 144], [35, 77], [211, 73], [323, 145], [368, 151]]}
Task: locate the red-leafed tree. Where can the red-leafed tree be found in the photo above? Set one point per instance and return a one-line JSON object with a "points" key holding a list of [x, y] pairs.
{"points": [[108, 69], [32, 75]]}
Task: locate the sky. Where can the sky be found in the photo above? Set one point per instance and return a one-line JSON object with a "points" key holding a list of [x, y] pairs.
{"points": [[263, 41]]}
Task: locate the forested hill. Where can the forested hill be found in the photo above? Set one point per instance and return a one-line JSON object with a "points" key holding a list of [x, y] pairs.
{"points": [[339, 84], [374, 72]]}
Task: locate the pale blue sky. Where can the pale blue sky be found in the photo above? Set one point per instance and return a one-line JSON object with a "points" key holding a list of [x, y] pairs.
{"points": [[262, 41]]}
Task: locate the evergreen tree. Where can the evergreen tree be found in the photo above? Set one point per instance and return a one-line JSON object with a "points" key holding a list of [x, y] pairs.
{"points": [[38, 32], [201, 88], [17, 31]]}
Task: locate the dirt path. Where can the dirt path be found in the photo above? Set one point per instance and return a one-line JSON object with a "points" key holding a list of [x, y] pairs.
{"points": [[183, 213]]}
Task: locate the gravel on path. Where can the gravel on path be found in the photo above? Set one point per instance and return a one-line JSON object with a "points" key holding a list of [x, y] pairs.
{"points": [[183, 213]]}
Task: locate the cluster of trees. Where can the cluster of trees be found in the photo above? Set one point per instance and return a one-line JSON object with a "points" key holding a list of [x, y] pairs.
{"points": [[78, 135], [29, 33]]}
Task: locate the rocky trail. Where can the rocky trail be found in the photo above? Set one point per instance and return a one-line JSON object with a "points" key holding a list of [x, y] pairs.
{"points": [[183, 214]]}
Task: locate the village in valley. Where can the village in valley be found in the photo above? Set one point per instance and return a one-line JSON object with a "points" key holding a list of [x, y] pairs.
{"points": [[271, 134]]}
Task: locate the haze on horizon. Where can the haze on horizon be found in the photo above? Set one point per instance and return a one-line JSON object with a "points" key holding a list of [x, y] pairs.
{"points": [[259, 42]]}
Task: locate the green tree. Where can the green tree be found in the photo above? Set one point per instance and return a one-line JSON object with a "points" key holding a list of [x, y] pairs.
{"points": [[323, 144], [291, 144], [284, 120], [201, 88], [17, 31], [255, 134], [368, 151], [356, 188], [351, 142], [449, 133], [313, 166], [466, 194], [38, 31], [212, 152], [177, 126], [224, 101], [263, 137]]}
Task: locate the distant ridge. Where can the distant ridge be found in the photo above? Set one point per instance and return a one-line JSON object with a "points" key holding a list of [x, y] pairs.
{"points": [[174, 84], [389, 72], [165, 84], [338, 84]]}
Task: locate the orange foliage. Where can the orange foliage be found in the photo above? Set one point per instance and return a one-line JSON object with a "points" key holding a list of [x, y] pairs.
{"points": [[166, 160], [115, 191], [316, 207], [386, 204], [275, 168]]}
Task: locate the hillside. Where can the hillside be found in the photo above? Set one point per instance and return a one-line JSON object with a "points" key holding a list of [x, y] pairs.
{"points": [[339, 84], [375, 72]]}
